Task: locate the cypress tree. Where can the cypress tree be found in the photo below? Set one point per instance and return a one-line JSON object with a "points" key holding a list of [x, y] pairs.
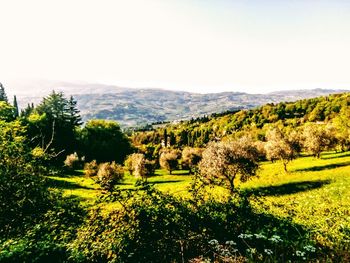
{"points": [[15, 105], [165, 136]]}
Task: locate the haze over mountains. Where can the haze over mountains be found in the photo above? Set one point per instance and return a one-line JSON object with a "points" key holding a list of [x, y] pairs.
{"points": [[135, 107]]}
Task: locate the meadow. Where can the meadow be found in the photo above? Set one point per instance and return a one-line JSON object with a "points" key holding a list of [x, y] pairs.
{"points": [[314, 193]]}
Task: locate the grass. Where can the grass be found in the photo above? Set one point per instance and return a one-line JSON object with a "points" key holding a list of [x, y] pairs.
{"points": [[314, 193]]}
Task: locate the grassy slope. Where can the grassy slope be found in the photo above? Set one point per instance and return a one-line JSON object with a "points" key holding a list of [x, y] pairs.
{"points": [[315, 193]]}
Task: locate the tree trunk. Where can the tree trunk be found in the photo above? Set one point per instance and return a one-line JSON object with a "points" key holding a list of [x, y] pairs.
{"points": [[232, 185]]}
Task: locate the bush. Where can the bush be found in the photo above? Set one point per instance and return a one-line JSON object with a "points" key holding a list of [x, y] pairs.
{"points": [[109, 174], [91, 169], [151, 226], [72, 161]]}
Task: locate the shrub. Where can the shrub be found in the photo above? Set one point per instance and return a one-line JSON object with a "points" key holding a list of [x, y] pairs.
{"points": [[151, 226], [72, 161], [109, 174], [91, 169]]}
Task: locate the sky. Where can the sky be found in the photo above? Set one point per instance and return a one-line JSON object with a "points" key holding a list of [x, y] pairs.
{"points": [[193, 45]]}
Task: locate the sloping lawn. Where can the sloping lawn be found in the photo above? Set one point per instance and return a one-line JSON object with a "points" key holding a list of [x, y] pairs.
{"points": [[314, 193]]}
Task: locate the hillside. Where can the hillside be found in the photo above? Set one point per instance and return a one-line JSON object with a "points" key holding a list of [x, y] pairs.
{"points": [[198, 132], [136, 107]]}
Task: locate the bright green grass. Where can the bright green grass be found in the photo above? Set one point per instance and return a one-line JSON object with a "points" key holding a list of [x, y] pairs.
{"points": [[87, 190], [314, 193]]}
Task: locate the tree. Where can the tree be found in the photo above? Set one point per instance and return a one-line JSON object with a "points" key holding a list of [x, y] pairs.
{"points": [[342, 125], [279, 146], [191, 157], [109, 174], [139, 166], [103, 141], [315, 138], [3, 96], [73, 112], [168, 160], [23, 195], [59, 125], [27, 111], [223, 162], [165, 138], [7, 112], [15, 105]]}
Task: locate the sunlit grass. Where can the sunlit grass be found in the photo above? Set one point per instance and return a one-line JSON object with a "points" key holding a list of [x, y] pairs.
{"points": [[314, 193]]}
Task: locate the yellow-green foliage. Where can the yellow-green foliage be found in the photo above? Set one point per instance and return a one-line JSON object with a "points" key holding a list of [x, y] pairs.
{"points": [[314, 193]]}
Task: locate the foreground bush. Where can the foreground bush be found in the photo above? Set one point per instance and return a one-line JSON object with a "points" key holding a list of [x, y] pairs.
{"points": [[154, 227], [36, 224]]}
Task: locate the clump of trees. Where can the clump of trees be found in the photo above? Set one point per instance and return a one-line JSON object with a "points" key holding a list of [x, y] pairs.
{"points": [[224, 162], [103, 141]]}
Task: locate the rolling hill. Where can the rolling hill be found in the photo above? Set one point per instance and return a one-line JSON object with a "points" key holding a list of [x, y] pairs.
{"points": [[137, 107]]}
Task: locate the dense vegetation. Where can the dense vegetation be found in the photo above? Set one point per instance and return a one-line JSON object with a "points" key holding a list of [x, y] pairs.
{"points": [[254, 185]]}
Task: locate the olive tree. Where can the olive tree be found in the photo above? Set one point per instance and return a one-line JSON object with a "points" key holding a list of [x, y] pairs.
{"points": [[191, 157], [316, 138], [280, 146], [109, 174], [139, 166], [168, 160], [223, 162]]}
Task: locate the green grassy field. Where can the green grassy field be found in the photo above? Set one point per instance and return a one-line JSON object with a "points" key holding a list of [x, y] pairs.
{"points": [[314, 193]]}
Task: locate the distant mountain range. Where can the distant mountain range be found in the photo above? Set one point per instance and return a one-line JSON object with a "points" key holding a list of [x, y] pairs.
{"points": [[137, 107]]}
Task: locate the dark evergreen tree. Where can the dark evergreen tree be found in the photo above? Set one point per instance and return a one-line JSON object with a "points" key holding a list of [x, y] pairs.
{"points": [[172, 139], [165, 136], [58, 126], [3, 96], [15, 105], [27, 111], [74, 116]]}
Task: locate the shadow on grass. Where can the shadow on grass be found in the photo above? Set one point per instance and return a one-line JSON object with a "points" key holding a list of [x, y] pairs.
{"points": [[332, 156], [125, 183], [61, 184], [66, 173], [323, 167], [164, 181], [284, 189]]}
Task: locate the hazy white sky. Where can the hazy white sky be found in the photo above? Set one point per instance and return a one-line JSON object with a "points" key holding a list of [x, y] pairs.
{"points": [[193, 45]]}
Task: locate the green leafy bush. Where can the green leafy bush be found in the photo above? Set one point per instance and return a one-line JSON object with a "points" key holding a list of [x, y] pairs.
{"points": [[154, 227]]}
